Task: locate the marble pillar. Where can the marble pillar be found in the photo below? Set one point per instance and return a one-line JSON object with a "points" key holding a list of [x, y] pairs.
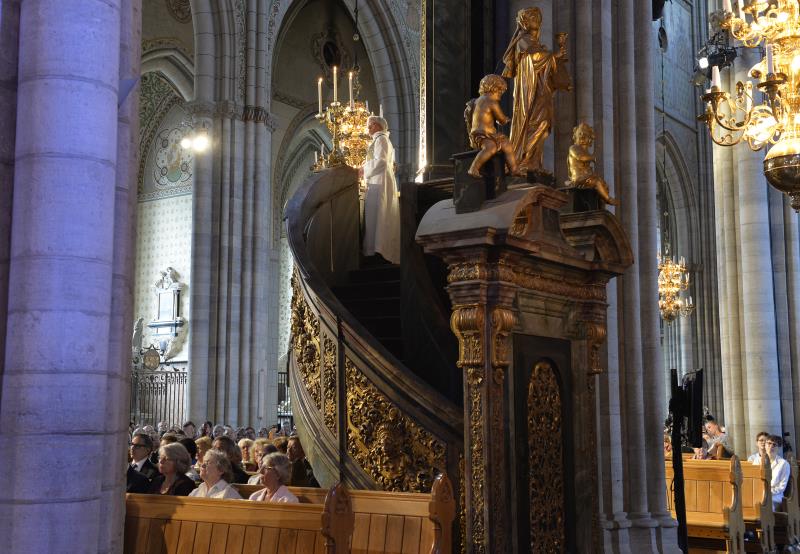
{"points": [[652, 368], [9, 37], [61, 272], [760, 353], [117, 396], [642, 536]]}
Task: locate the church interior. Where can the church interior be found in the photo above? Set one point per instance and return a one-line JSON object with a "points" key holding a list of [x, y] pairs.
{"points": [[399, 276]]}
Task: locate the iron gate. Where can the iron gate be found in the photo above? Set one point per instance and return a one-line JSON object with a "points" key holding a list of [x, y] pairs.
{"points": [[158, 395]]}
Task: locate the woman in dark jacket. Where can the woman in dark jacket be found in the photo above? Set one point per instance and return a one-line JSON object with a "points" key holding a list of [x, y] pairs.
{"points": [[173, 463]]}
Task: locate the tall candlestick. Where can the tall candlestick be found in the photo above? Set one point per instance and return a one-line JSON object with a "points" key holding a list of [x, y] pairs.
{"points": [[380, 108], [715, 80], [726, 5], [350, 86], [319, 94], [770, 66], [335, 85]]}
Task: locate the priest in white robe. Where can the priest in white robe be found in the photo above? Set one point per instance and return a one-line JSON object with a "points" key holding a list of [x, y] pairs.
{"points": [[382, 197]]}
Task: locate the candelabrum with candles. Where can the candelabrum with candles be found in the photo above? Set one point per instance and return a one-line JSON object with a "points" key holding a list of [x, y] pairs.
{"points": [[774, 121], [347, 124], [673, 278]]}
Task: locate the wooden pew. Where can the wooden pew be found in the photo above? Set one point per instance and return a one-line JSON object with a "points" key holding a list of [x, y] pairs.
{"points": [[393, 522], [188, 525], [713, 504], [757, 505], [787, 520]]}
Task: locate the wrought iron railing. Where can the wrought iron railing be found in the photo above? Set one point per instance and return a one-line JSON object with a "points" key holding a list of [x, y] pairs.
{"points": [[158, 395]]}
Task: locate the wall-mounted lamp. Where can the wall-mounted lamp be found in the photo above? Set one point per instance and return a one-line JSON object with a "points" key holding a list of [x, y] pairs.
{"points": [[196, 139]]}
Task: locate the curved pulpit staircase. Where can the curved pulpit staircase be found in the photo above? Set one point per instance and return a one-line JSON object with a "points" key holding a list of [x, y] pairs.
{"points": [[376, 390]]}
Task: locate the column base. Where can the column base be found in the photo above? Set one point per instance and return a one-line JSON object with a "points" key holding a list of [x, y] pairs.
{"points": [[615, 534]]}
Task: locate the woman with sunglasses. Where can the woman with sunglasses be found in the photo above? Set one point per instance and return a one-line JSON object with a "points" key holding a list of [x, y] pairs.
{"points": [[276, 470]]}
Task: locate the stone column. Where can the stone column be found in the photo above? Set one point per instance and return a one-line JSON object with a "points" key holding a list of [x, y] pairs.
{"points": [[652, 367], [61, 273], [117, 399], [780, 278], [482, 320], [760, 355], [726, 216], [642, 538], [9, 37], [793, 280], [199, 402]]}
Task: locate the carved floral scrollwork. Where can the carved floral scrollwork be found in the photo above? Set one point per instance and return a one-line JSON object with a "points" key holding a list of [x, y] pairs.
{"points": [[467, 324], [329, 383], [546, 472], [305, 342], [526, 278], [596, 335], [394, 450]]}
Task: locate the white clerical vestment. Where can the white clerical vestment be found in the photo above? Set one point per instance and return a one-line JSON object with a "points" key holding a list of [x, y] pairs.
{"points": [[381, 201]]}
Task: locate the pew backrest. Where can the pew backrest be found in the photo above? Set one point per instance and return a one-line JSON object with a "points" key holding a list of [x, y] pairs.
{"points": [[713, 488], [387, 522], [790, 503], [179, 524]]}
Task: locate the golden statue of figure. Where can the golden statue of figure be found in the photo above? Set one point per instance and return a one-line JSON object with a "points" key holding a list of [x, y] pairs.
{"points": [[580, 163], [482, 114], [538, 74]]}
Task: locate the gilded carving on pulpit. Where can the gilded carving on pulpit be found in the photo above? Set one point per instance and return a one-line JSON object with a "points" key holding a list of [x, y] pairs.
{"points": [[394, 450], [546, 470], [305, 342], [581, 162], [538, 73], [329, 391]]}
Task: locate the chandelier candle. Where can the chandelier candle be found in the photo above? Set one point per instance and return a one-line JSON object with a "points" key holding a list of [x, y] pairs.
{"points": [[319, 95], [335, 85], [350, 86]]}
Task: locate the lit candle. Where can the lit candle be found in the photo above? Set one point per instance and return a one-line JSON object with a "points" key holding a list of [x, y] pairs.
{"points": [[367, 103], [715, 80], [316, 157], [335, 85], [748, 99], [380, 108], [741, 7], [350, 86], [770, 66], [319, 94], [726, 5], [322, 150]]}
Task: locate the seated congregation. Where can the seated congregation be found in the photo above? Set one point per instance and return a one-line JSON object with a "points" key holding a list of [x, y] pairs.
{"points": [[216, 494], [733, 506]]}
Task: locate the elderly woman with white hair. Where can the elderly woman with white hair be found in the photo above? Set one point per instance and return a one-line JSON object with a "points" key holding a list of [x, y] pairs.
{"points": [[276, 470], [381, 200], [215, 471]]}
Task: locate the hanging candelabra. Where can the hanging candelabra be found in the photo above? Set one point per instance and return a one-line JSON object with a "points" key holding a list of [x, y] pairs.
{"points": [[776, 119], [673, 279], [347, 125]]}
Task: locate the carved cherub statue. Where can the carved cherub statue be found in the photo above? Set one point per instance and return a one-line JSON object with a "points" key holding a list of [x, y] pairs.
{"points": [[483, 133], [581, 164]]}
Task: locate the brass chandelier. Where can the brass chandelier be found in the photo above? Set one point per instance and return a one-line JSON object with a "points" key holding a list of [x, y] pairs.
{"points": [[776, 119], [347, 125], [673, 278]]}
